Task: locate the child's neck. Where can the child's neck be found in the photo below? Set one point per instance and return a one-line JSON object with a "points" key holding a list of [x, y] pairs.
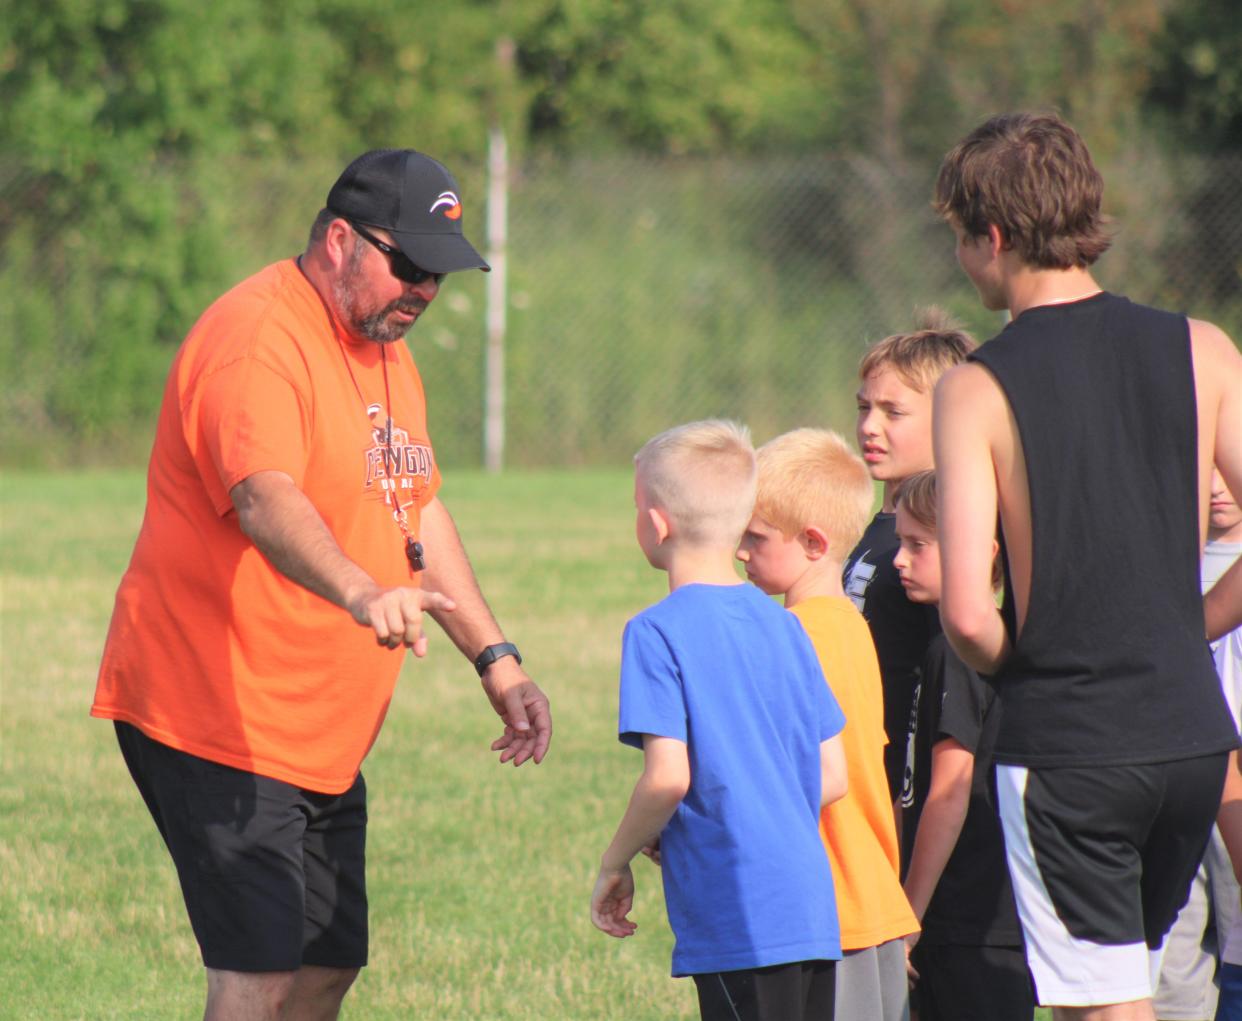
{"points": [[1226, 535], [697, 565], [821, 578]]}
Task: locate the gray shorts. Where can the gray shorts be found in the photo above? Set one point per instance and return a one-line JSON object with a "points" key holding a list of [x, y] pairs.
{"points": [[1189, 980], [872, 984]]}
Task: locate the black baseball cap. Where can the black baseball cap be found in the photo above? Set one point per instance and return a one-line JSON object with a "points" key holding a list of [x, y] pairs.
{"points": [[415, 199]]}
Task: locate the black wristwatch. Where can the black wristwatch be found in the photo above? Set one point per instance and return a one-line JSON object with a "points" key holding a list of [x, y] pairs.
{"points": [[494, 652]]}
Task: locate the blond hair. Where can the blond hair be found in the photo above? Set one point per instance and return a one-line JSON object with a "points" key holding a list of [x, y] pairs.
{"points": [[923, 355], [702, 476], [917, 497], [812, 477]]}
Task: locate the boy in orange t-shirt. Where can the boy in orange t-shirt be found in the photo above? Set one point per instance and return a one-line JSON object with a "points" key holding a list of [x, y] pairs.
{"points": [[814, 499]]}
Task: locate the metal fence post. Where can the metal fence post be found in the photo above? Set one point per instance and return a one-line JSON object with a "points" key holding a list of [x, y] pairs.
{"points": [[494, 362]]}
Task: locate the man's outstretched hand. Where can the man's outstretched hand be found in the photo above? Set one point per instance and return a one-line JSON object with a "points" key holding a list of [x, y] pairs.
{"points": [[396, 614]]}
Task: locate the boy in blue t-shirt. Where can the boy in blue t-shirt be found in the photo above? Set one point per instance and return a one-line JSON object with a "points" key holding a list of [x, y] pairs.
{"points": [[722, 690]]}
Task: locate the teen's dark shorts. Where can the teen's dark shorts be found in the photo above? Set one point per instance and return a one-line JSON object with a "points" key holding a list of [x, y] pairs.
{"points": [[273, 875], [1101, 860]]}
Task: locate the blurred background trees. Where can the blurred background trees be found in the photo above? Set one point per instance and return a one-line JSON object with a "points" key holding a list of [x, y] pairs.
{"points": [[154, 151]]}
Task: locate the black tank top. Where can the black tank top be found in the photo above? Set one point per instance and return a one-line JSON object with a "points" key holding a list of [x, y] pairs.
{"points": [[1112, 666]]}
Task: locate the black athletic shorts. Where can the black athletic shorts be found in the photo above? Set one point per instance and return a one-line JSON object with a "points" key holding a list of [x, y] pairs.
{"points": [[272, 875], [972, 984], [1101, 859], [801, 991]]}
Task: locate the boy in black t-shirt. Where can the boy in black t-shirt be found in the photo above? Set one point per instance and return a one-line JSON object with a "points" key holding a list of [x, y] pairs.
{"points": [[968, 959], [894, 433]]}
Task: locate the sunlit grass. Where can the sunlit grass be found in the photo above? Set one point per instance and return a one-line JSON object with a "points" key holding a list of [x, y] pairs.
{"points": [[479, 875]]}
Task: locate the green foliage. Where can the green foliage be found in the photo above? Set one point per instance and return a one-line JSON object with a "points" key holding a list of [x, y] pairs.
{"points": [[1197, 74], [684, 76], [920, 74], [95, 91], [132, 131], [153, 152], [117, 122]]}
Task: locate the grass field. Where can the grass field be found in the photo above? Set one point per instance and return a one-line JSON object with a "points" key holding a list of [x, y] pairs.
{"points": [[479, 875]]}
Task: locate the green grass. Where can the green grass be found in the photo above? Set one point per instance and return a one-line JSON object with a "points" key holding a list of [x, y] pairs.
{"points": [[479, 874]]}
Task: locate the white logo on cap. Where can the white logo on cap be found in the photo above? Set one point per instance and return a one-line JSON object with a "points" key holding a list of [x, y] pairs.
{"points": [[445, 198]]}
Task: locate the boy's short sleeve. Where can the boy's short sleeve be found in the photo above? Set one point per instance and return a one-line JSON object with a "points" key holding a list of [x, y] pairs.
{"points": [[831, 717], [652, 701], [964, 702]]}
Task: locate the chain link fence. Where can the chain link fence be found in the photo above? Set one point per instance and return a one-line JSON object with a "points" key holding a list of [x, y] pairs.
{"points": [[642, 292]]}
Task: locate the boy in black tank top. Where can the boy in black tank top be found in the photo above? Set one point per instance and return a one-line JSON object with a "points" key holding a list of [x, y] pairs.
{"points": [[1089, 426]]}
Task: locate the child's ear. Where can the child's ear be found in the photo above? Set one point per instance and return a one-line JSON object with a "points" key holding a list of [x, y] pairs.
{"points": [[659, 521], [996, 240], [814, 542]]}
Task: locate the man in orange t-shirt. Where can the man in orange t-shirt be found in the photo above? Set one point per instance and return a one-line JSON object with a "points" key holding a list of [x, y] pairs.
{"points": [[292, 540]]}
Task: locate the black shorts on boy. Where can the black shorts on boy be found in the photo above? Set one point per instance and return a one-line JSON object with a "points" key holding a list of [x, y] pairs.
{"points": [[801, 991], [971, 983], [273, 876]]}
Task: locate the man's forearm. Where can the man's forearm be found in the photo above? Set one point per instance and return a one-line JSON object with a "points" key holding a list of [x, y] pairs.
{"points": [[287, 529], [471, 626]]}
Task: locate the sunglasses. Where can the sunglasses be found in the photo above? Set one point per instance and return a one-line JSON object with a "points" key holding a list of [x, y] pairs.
{"points": [[400, 264]]}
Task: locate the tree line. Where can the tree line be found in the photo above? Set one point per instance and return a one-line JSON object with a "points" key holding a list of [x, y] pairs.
{"points": [[129, 128]]}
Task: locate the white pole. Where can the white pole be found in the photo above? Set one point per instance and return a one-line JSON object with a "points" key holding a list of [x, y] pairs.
{"points": [[497, 240]]}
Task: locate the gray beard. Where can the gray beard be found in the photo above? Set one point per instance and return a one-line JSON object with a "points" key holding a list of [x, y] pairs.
{"points": [[373, 324]]}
